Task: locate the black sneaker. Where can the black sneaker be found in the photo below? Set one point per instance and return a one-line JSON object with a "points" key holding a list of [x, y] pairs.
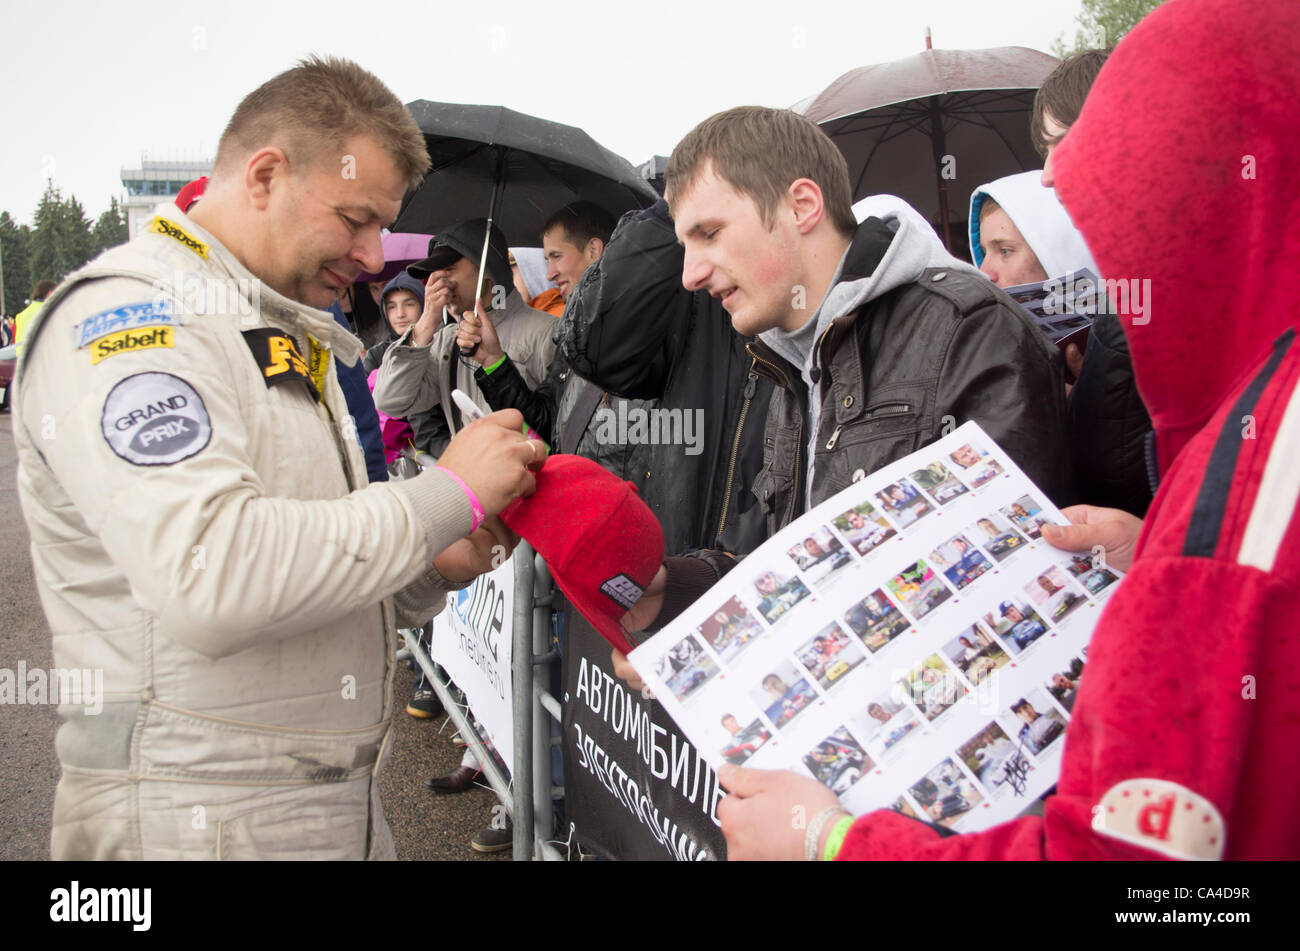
{"points": [[425, 705], [489, 839]]}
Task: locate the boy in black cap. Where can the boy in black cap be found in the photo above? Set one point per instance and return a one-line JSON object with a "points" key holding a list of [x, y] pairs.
{"points": [[424, 365]]}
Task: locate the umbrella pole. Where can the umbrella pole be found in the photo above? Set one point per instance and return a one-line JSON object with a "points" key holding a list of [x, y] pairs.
{"points": [[939, 143], [497, 189]]}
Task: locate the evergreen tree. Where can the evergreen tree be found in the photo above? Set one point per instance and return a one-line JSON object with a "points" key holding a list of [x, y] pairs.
{"points": [[13, 259], [1102, 23], [110, 229], [61, 241]]}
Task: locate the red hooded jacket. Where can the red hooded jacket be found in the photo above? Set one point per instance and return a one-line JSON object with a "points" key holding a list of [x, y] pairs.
{"points": [[1185, 738]]}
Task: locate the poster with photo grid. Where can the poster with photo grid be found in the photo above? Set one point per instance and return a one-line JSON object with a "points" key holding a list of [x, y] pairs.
{"points": [[911, 643]]}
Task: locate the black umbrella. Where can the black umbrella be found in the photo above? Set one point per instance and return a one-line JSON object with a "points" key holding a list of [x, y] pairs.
{"points": [[515, 168]]}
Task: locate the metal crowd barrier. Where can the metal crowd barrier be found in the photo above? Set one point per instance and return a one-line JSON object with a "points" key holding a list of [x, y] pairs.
{"points": [[526, 791]]}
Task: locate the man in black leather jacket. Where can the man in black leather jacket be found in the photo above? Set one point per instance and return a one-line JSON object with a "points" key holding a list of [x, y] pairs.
{"points": [[569, 412], [876, 340], [631, 328]]}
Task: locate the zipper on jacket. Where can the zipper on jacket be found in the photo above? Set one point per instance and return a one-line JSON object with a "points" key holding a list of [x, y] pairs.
{"points": [[799, 477], [798, 447], [781, 376], [1149, 455], [887, 409], [815, 373], [750, 385]]}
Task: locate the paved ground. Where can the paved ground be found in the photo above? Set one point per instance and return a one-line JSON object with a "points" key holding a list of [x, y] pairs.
{"points": [[424, 826]]}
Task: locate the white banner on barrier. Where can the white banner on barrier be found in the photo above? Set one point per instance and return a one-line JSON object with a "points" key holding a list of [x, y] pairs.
{"points": [[472, 639]]}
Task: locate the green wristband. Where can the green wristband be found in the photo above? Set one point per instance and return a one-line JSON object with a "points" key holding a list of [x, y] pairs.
{"points": [[835, 841], [495, 366]]}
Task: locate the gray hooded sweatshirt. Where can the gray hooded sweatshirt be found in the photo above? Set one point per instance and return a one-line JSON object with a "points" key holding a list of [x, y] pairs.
{"points": [[914, 248]]}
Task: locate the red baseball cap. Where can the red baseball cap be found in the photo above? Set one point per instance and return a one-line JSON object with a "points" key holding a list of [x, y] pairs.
{"points": [[191, 193], [601, 542]]}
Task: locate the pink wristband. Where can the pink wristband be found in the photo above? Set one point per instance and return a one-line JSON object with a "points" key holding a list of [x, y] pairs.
{"points": [[479, 515]]}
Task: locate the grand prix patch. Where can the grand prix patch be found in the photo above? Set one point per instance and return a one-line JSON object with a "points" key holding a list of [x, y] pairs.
{"points": [[149, 313], [279, 358], [155, 419], [161, 225]]}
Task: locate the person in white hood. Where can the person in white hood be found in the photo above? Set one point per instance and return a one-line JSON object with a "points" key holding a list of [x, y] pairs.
{"points": [[1021, 234]]}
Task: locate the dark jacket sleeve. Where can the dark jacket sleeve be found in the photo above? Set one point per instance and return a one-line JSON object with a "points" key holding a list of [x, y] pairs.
{"points": [[688, 577], [352, 380], [1108, 423], [374, 357], [630, 313], [430, 431], [505, 388]]}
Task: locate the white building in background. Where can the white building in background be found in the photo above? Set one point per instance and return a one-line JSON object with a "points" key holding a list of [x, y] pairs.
{"points": [[155, 184]]}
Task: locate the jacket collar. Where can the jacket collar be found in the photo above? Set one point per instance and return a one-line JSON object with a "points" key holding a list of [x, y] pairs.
{"points": [[770, 364], [272, 307], [773, 366]]}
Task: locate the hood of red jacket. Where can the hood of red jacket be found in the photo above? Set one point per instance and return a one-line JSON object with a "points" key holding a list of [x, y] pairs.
{"points": [[1181, 174]]}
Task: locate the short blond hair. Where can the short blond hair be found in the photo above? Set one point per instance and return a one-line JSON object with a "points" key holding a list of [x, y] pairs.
{"points": [[313, 109], [760, 152]]}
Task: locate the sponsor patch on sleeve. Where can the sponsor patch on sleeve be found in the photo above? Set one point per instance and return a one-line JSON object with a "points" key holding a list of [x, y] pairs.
{"points": [[161, 225], [279, 358], [129, 341], [1162, 816], [149, 313], [623, 591], [155, 419]]}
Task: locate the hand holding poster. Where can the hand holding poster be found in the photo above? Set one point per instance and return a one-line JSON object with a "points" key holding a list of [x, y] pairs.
{"points": [[910, 643]]}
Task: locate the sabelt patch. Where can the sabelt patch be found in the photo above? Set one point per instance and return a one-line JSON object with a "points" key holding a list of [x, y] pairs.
{"points": [[320, 363], [149, 313], [131, 340], [1162, 816], [279, 358], [161, 225], [155, 419]]}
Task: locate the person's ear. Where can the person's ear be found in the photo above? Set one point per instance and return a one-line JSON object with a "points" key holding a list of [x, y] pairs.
{"points": [[595, 248], [266, 169], [806, 203]]}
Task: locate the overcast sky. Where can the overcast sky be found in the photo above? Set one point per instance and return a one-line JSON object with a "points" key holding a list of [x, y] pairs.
{"points": [[90, 88]]}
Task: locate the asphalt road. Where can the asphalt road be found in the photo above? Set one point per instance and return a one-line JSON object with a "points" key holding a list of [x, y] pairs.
{"points": [[425, 827]]}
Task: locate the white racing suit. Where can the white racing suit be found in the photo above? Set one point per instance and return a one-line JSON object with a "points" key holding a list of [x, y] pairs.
{"points": [[202, 532]]}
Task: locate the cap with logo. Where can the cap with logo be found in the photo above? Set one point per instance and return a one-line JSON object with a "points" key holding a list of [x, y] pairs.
{"points": [[465, 240], [601, 542]]}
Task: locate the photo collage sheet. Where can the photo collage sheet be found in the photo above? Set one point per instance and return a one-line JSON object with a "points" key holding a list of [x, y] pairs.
{"points": [[1062, 307], [911, 643]]}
